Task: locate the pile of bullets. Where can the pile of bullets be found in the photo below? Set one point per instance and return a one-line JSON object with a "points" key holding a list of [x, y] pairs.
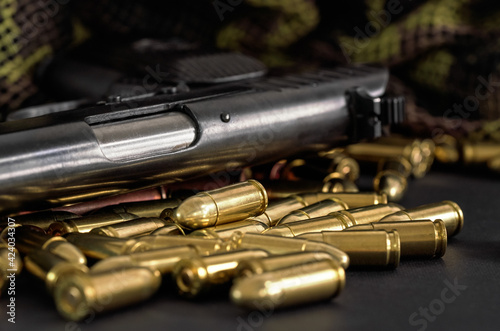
{"points": [[280, 246]]}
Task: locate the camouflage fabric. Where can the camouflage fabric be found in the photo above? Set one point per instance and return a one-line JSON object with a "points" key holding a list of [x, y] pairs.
{"points": [[443, 54]]}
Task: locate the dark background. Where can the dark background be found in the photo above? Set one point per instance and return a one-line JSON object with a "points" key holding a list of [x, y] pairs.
{"points": [[376, 299]]}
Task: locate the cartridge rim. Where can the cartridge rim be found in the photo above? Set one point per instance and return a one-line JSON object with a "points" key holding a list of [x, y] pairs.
{"points": [[460, 216], [441, 237], [394, 245], [75, 296], [263, 193], [63, 269], [190, 276]]}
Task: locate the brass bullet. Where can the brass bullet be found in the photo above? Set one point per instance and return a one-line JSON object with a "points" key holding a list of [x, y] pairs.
{"points": [[29, 239], [337, 182], [225, 231], [86, 223], [446, 150], [205, 246], [258, 266], [170, 229], [365, 248], [163, 259], [224, 205], [283, 245], [342, 163], [279, 208], [51, 268], [80, 295], [390, 183], [10, 262], [43, 219], [317, 209], [301, 284], [101, 247], [132, 228], [334, 183], [479, 152], [194, 276], [152, 208], [422, 238], [447, 211], [353, 200], [336, 221]]}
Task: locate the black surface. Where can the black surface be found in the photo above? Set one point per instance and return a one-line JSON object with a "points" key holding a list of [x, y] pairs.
{"points": [[378, 300]]}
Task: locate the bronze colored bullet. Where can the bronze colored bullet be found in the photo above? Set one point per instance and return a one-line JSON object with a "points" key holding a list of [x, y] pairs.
{"points": [[479, 152], [224, 205], [51, 268], [87, 223], [196, 275], [365, 248], [151, 208], [446, 150], [418, 238], [170, 229], [205, 246], [225, 231], [80, 295], [279, 208], [337, 182], [101, 247], [43, 219], [318, 209], [135, 227], [283, 245], [336, 221], [390, 183], [258, 266], [163, 259], [311, 282], [447, 211], [342, 163], [10, 262], [353, 200], [30, 239]]}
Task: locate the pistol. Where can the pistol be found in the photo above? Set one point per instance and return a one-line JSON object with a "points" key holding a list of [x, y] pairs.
{"points": [[171, 134]]}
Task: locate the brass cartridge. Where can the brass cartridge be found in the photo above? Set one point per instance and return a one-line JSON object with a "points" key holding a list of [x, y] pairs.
{"points": [[337, 182], [225, 231], [418, 238], [100, 247], [494, 164], [43, 219], [205, 246], [365, 248], [336, 221], [446, 150], [391, 178], [479, 152], [10, 262], [279, 208], [282, 245], [135, 227], [86, 223], [51, 268], [277, 189], [342, 163], [80, 295], [196, 275], [353, 200], [163, 259], [170, 229], [317, 209], [311, 282], [319, 168], [224, 205], [447, 211], [255, 266], [29, 239], [152, 208]]}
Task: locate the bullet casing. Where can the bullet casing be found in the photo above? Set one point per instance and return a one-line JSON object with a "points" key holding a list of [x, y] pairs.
{"points": [[78, 296], [479, 152], [101, 247], [353, 200], [365, 248], [163, 259], [132, 228], [225, 231], [311, 282], [87, 223], [278, 189], [205, 246], [51, 268], [224, 205], [255, 266], [447, 211], [422, 238], [279, 208], [196, 275], [318, 209], [282, 245], [152, 208], [43, 219]]}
